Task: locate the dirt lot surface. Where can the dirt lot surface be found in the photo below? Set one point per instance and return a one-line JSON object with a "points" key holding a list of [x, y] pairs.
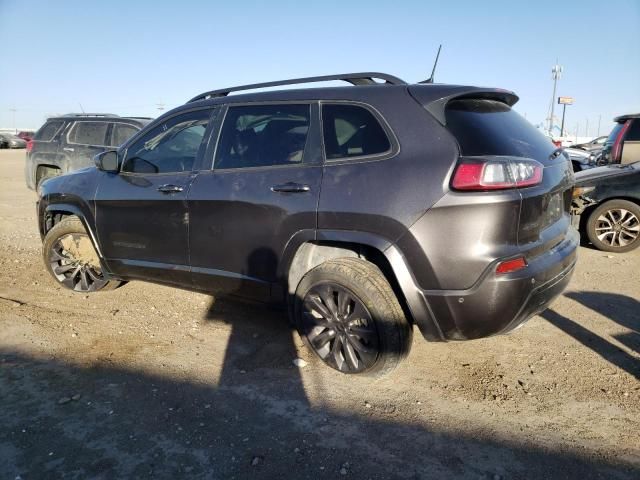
{"points": [[154, 382]]}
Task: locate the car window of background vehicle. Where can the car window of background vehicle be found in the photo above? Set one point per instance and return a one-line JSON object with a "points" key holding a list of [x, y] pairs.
{"points": [[88, 133], [121, 133]]}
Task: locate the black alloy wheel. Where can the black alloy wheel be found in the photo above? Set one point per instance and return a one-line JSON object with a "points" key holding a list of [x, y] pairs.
{"points": [[339, 328], [73, 265]]}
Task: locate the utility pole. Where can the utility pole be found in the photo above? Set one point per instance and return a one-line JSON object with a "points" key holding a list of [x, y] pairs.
{"points": [[586, 129], [599, 118], [556, 73], [13, 112]]}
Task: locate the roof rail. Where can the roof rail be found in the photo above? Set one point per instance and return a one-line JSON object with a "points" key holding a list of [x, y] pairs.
{"points": [[362, 78], [89, 115]]}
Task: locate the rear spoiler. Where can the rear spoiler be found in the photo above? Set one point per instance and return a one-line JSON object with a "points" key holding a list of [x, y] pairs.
{"points": [[434, 98]]}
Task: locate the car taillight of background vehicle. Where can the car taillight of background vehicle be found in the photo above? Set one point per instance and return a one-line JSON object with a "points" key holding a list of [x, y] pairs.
{"points": [[616, 149], [29, 145], [496, 174]]}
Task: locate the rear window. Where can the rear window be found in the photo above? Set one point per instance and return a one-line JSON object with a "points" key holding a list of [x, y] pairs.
{"points": [[48, 130], [88, 133], [490, 127]]}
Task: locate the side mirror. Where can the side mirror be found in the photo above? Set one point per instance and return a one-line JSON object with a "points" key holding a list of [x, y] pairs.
{"points": [[108, 161]]}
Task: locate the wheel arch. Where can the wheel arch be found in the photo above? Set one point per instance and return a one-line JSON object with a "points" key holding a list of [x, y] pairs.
{"points": [[310, 251], [54, 213]]}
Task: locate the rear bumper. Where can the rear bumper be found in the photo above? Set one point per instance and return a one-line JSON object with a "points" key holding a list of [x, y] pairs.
{"points": [[497, 303]]}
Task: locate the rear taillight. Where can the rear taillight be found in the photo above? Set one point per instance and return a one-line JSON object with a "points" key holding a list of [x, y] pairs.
{"points": [[509, 266], [29, 146], [616, 148], [496, 174]]}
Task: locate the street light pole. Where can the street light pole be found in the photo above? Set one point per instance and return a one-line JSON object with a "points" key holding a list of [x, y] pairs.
{"points": [[13, 112], [556, 73]]}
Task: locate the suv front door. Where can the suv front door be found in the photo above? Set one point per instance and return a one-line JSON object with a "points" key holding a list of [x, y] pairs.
{"points": [[263, 190], [141, 213]]}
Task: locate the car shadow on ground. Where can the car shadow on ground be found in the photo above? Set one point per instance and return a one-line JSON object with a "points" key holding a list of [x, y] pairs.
{"points": [[257, 421], [622, 310]]}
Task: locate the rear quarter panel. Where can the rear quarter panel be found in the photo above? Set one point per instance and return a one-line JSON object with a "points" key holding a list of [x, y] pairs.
{"points": [[385, 197]]}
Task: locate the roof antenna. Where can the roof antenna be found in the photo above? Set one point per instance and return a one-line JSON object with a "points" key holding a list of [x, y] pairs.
{"points": [[81, 109], [435, 64]]}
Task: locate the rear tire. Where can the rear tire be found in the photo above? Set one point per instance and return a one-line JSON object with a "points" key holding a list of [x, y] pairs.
{"points": [[615, 226], [348, 315], [71, 259]]}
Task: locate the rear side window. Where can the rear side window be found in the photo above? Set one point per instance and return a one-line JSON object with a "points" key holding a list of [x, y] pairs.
{"points": [[352, 131], [489, 127], [48, 130], [88, 133], [121, 133], [263, 135]]}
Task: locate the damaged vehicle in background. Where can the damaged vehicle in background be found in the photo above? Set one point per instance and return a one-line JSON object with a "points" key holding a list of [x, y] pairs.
{"points": [[606, 207], [365, 209], [623, 144], [581, 159]]}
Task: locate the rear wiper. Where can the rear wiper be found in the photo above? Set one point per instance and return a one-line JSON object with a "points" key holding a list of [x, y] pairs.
{"points": [[556, 153]]}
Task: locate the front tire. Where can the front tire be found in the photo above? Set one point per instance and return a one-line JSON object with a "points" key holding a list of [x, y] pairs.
{"points": [[71, 259], [615, 226], [348, 315]]}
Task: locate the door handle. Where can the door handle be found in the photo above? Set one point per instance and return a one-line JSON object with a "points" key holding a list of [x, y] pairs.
{"points": [[290, 187], [170, 188], [67, 149]]}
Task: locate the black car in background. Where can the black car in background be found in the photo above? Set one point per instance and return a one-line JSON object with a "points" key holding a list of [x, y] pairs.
{"points": [[69, 142], [623, 144], [606, 206], [366, 209]]}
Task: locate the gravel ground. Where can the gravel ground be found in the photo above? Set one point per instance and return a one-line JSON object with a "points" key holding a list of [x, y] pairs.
{"points": [[150, 381]]}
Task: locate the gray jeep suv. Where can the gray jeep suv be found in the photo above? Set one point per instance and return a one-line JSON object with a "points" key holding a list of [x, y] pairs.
{"points": [[366, 209]]}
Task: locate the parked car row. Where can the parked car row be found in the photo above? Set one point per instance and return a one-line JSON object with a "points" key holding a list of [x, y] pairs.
{"points": [[8, 140]]}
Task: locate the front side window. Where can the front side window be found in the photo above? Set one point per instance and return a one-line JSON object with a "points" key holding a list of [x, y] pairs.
{"points": [[263, 135], [48, 130], [121, 133], [352, 131], [171, 146], [88, 133]]}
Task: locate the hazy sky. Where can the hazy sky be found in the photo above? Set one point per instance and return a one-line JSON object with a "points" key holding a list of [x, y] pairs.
{"points": [[125, 57]]}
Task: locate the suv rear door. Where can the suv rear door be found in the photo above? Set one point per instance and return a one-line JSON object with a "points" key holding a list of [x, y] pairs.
{"points": [[263, 190], [141, 213]]}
